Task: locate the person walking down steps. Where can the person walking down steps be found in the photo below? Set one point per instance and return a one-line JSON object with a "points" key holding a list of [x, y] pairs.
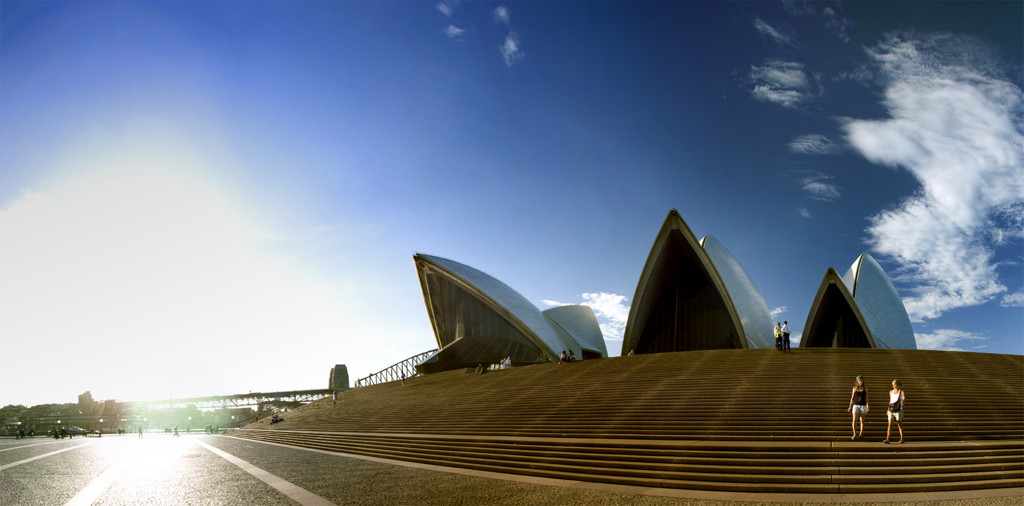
{"points": [[895, 412], [858, 406]]}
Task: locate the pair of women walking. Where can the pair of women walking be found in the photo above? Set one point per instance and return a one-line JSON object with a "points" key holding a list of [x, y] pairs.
{"points": [[859, 408]]}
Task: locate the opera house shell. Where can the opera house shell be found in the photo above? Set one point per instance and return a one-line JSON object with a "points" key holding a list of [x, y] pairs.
{"points": [[861, 309], [480, 320], [694, 295]]}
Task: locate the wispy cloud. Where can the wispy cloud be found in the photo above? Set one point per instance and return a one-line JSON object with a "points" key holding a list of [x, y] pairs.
{"points": [[799, 7], [814, 144], [502, 14], [510, 50], [780, 82], [949, 340], [837, 23], [611, 310], [783, 37], [955, 123], [1013, 299], [804, 213], [445, 8], [818, 187], [453, 31], [778, 310]]}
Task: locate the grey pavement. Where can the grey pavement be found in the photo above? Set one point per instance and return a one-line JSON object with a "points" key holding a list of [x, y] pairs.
{"points": [[201, 469]]}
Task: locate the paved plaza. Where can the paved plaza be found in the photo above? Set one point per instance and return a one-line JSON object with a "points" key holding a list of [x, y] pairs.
{"points": [[204, 469]]}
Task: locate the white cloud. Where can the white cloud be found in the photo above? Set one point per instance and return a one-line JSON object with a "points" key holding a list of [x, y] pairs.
{"points": [[948, 339], [445, 8], [1013, 299], [453, 31], [611, 310], [778, 310], [955, 124], [814, 144], [780, 82], [818, 187], [799, 7], [510, 50], [502, 14], [782, 38], [804, 212], [838, 24]]}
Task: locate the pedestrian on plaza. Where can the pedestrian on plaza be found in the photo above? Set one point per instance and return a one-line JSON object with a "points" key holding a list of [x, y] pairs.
{"points": [[858, 406], [785, 336], [778, 336], [335, 397], [895, 411], [403, 378]]}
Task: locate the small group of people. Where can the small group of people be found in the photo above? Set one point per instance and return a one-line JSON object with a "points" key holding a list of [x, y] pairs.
{"points": [[782, 336], [859, 408], [276, 419], [505, 363], [571, 357]]}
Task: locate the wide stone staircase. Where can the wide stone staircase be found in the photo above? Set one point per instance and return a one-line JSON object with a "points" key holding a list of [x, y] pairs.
{"points": [[723, 420]]}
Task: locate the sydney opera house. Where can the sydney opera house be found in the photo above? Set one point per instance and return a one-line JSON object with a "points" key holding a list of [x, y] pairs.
{"points": [[480, 320], [859, 310], [692, 295]]}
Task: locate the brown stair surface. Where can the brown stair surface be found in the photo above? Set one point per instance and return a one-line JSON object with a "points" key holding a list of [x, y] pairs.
{"points": [[726, 420]]}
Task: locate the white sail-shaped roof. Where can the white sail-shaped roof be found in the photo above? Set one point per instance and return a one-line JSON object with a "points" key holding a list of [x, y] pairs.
{"points": [[581, 324], [749, 303], [478, 319], [880, 303]]}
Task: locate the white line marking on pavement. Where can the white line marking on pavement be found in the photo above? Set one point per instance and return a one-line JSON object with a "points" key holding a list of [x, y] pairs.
{"points": [[26, 461], [293, 491], [26, 446], [97, 487]]}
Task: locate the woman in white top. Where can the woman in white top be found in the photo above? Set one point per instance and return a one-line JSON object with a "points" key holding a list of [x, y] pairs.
{"points": [[896, 400]]}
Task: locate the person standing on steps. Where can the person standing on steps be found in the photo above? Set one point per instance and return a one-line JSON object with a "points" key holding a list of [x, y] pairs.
{"points": [[859, 406], [785, 336], [895, 412], [778, 336]]}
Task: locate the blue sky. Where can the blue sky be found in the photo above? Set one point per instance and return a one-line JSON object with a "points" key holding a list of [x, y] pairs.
{"points": [[217, 197]]}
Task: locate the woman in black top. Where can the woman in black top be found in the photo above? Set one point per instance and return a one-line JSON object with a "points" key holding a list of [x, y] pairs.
{"points": [[858, 405]]}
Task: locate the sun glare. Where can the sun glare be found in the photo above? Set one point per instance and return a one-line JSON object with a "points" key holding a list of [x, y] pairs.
{"points": [[145, 273]]}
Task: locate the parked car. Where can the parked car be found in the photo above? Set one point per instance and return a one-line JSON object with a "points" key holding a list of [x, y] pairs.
{"points": [[77, 431]]}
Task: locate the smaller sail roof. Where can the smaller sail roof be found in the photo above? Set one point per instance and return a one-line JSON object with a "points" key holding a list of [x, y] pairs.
{"points": [[478, 319], [681, 302], [834, 320], [880, 303]]}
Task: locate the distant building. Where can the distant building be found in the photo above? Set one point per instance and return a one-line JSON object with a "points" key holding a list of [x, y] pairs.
{"points": [[479, 320], [338, 380], [694, 295], [858, 310]]}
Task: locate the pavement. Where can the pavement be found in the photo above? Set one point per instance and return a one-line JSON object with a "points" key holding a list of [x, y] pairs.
{"points": [[203, 469]]}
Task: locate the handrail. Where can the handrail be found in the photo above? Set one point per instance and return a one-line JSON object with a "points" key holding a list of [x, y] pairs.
{"points": [[394, 372]]}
